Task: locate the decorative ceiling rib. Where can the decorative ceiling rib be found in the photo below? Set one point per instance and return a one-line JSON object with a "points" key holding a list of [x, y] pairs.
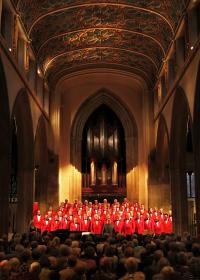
{"points": [[69, 35]]}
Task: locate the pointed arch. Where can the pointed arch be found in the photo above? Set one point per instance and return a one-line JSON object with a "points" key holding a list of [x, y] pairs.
{"points": [[160, 191], [23, 119], [181, 121], [41, 165], [45, 166], [196, 134], [105, 97], [4, 151], [162, 150]]}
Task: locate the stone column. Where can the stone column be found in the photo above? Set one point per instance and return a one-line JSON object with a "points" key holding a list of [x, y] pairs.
{"points": [[179, 200]]}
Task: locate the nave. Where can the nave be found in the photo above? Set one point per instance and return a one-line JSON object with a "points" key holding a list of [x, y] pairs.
{"points": [[99, 100]]}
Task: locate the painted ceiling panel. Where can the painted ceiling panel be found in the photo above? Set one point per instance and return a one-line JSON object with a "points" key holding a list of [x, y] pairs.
{"points": [[33, 9], [101, 56], [101, 38], [102, 17], [69, 35]]}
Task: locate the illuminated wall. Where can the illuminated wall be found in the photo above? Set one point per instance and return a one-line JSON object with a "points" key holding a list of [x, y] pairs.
{"points": [[74, 92]]}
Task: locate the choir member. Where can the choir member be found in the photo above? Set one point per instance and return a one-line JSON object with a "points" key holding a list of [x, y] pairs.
{"points": [[46, 225], [65, 222], [128, 226], [118, 225], [85, 224], [108, 227], [125, 218], [38, 220], [74, 225], [96, 225], [139, 224]]}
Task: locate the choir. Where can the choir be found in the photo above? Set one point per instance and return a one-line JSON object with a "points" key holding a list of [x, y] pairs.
{"points": [[125, 218]]}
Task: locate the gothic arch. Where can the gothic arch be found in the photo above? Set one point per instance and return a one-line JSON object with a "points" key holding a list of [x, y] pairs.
{"points": [[162, 149], [23, 119], [159, 179], [163, 189], [4, 152], [181, 120], [104, 96], [45, 166], [41, 164]]}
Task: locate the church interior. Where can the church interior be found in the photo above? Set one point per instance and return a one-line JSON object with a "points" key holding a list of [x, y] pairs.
{"points": [[100, 99]]}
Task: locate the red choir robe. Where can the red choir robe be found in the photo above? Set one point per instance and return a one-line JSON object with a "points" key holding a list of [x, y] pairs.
{"points": [[158, 228], [167, 226], [70, 218], [148, 225], [60, 223], [55, 224], [96, 227], [85, 225], [46, 225], [38, 221], [118, 226], [139, 226], [74, 226], [65, 224], [128, 227]]}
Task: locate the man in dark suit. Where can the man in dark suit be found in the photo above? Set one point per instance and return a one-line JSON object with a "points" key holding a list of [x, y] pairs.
{"points": [[108, 227]]}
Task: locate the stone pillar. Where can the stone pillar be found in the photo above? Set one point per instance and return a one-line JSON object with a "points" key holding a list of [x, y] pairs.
{"points": [[170, 73], [179, 200]]}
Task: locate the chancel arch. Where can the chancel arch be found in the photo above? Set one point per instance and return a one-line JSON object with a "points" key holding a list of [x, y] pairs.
{"points": [[4, 152], [108, 99], [160, 189], [22, 131], [182, 165]]}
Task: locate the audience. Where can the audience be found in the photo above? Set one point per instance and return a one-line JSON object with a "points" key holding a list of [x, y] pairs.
{"points": [[47, 256], [65, 255]]}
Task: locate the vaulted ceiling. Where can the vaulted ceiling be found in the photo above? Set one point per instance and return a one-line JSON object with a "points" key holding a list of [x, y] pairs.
{"points": [[70, 35]]}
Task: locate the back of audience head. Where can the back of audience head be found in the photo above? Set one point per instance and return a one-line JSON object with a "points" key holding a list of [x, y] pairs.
{"points": [[131, 265]]}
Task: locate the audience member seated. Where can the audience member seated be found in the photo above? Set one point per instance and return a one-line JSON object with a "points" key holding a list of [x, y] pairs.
{"points": [[93, 257]]}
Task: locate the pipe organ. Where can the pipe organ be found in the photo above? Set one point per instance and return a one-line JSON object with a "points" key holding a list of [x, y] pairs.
{"points": [[103, 151]]}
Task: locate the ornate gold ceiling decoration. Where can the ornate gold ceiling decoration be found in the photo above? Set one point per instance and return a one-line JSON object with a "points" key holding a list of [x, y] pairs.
{"points": [[70, 35]]}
